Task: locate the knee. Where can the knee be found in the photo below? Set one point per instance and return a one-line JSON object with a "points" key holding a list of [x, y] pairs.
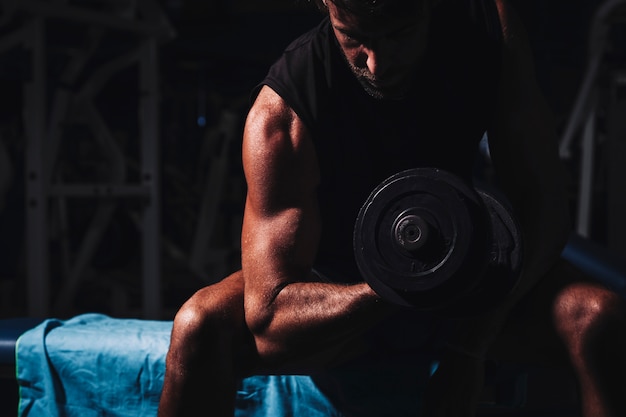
{"points": [[210, 314], [582, 309]]}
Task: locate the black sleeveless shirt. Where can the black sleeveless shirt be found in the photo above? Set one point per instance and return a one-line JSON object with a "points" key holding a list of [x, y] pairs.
{"points": [[361, 140]]}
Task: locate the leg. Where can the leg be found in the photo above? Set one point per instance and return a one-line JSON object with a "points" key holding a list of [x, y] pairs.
{"points": [[590, 321], [207, 352], [211, 348], [571, 321]]}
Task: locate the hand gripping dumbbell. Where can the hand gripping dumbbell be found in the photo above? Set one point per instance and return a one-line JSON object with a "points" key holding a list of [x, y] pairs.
{"points": [[429, 240]]}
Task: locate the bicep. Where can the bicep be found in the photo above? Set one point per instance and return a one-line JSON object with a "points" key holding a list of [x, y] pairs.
{"points": [[523, 140], [524, 150], [281, 220]]}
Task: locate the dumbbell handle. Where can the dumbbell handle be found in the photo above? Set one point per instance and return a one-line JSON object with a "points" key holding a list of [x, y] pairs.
{"points": [[411, 232]]}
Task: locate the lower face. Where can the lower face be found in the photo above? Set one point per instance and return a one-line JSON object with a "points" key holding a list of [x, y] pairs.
{"points": [[400, 45], [394, 88]]}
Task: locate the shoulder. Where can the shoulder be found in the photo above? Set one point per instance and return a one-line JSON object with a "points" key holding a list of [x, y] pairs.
{"points": [[309, 47], [515, 39], [310, 38], [275, 138], [299, 74], [271, 116]]}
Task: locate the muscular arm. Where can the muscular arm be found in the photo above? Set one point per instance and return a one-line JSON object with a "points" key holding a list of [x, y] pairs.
{"points": [[524, 150], [292, 315]]}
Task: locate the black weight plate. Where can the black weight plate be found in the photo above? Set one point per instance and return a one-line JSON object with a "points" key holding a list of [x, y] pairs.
{"points": [[505, 257], [455, 216]]}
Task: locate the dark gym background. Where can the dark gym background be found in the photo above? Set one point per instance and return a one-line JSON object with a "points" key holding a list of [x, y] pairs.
{"points": [[121, 188], [209, 54]]}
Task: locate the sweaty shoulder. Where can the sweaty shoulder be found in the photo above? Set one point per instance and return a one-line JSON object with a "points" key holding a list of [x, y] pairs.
{"points": [[277, 149], [515, 40], [271, 116], [299, 75]]}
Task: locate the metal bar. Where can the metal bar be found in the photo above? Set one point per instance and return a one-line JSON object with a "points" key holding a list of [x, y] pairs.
{"points": [[100, 191], [104, 212], [88, 247], [582, 105], [213, 191], [598, 34], [149, 145], [8, 11], [105, 139], [585, 196], [38, 298], [96, 18], [60, 204], [97, 81], [15, 38], [63, 97], [152, 11]]}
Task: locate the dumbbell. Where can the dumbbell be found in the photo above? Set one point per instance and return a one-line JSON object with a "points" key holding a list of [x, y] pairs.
{"points": [[427, 239]]}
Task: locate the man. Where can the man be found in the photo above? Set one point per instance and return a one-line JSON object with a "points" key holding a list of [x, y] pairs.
{"points": [[378, 87]]}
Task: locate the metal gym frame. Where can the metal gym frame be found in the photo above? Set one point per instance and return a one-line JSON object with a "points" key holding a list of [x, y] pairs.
{"points": [[142, 21], [583, 121]]}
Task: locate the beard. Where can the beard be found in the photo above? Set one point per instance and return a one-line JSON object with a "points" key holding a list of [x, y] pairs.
{"points": [[368, 82], [371, 84]]}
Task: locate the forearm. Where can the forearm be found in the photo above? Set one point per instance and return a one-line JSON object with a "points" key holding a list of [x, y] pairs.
{"points": [[524, 152], [545, 228], [310, 317]]}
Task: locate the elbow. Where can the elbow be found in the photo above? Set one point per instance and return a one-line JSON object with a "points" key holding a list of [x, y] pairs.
{"points": [[277, 337], [258, 316], [262, 323]]}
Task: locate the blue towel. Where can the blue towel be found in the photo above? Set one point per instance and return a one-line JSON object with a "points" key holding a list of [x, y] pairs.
{"points": [[92, 365], [95, 365]]}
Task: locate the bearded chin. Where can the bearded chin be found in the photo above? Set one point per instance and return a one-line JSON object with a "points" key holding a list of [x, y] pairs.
{"points": [[368, 82], [371, 89]]}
